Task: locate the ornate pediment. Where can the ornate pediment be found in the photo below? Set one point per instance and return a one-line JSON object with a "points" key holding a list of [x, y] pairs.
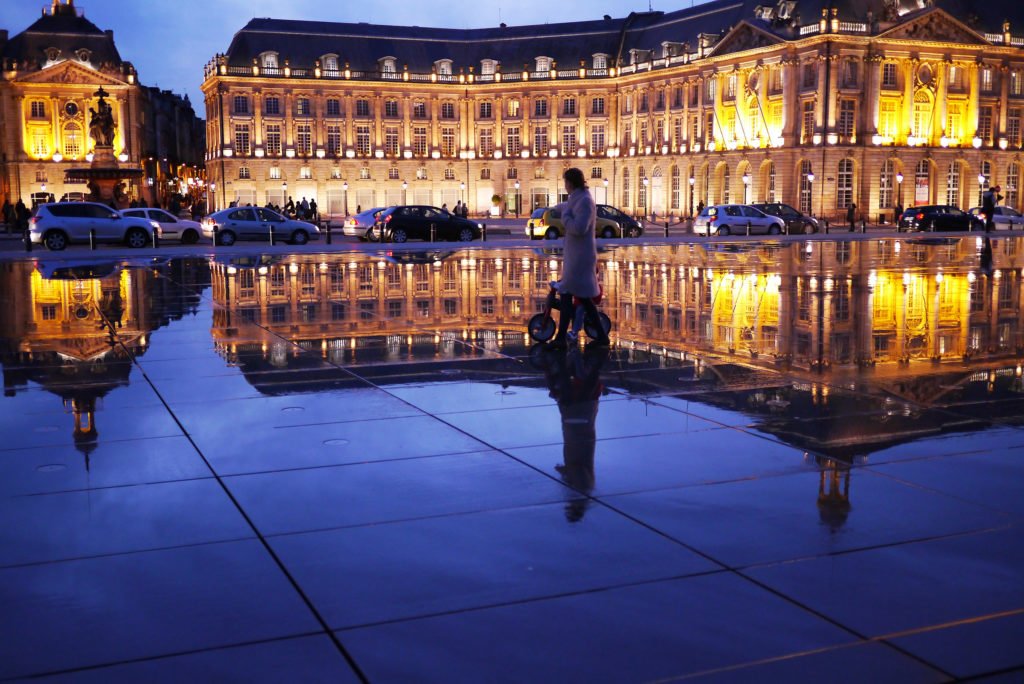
{"points": [[745, 37], [73, 73], [935, 26]]}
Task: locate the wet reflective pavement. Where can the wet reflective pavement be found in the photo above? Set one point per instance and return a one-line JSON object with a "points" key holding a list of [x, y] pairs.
{"points": [[799, 461]]}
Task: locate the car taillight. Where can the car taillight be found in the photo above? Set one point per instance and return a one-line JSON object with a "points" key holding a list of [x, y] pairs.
{"points": [[711, 219], [919, 217], [387, 219], [34, 220]]}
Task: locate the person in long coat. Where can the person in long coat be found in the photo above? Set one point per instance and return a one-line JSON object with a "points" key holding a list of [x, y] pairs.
{"points": [[579, 260]]}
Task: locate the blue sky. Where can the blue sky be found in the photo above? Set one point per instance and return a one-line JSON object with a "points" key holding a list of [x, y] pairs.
{"points": [[169, 41]]}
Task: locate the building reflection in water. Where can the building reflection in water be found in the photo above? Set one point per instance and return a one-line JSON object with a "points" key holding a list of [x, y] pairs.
{"points": [[74, 330]]}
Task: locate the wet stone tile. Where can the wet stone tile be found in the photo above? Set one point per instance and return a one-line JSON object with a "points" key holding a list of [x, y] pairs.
{"points": [[973, 648]]}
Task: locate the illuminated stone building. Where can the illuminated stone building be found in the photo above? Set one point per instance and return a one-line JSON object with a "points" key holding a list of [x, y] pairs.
{"points": [[48, 76], [815, 104]]}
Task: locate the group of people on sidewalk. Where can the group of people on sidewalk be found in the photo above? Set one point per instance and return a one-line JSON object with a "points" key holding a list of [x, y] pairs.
{"points": [[15, 216]]}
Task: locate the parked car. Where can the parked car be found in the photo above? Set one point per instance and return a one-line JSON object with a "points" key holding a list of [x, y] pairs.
{"points": [[546, 223], [1005, 218], [796, 221], [362, 225], [404, 223], [628, 226], [732, 219], [934, 217], [255, 223], [58, 224], [171, 228]]}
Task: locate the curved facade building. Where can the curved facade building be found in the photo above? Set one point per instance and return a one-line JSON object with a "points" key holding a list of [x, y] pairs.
{"points": [[817, 105]]}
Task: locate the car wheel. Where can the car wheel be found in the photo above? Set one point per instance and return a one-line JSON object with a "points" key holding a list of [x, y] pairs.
{"points": [[608, 233], [541, 327], [773, 230], [372, 236], [399, 235], [189, 237], [724, 230], [466, 235], [808, 228], [226, 238], [551, 234], [300, 237], [55, 240], [136, 238]]}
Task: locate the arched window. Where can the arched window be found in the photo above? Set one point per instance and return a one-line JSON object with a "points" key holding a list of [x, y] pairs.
{"points": [[72, 141], [488, 67], [953, 184], [922, 182], [641, 188], [600, 61], [922, 121], [388, 66], [676, 188], [268, 62], [330, 63], [625, 188], [805, 187], [1010, 191], [543, 64], [885, 180], [844, 184], [754, 117], [444, 67]]}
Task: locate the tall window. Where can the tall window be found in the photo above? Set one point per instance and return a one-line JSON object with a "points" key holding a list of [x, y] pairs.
{"points": [[921, 124], [391, 108], [448, 141], [419, 140], [985, 124], [73, 141], [419, 110], [643, 101], [274, 173], [540, 140], [922, 182], [486, 142], [362, 108], [844, 184], [954, 120], [597, 140], [805, 187], [391, 141], [807, 127], [1010, 191], [304, 139], [272, 106], [987, 80], [244, 173], [305, 173], [569, 106], [676, 188], [847, 116], [597, 106], [449, 174], [421, 173], [37, 109], [888, 118], [242, 139], [885, 181], [1013, 126], [40, 145], [334, 140], [625, 188], [447, 110], [726, 183], [730, 87], [627, 134], [953, 184], [850, 72], [513, 143], [600, 61], [330, 63], [393, 173], [302, 107], [273, 140], [889, 79], [363, 140], [569, 144], [540, 106], [513, 108], [333, 107], [241, 104], [1016, 83], [486, 109], [810, 76]]}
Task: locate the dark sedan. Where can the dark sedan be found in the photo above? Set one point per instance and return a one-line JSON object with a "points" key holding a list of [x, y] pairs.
{"points": [[937, 217], [423, 223], [796, 221]]}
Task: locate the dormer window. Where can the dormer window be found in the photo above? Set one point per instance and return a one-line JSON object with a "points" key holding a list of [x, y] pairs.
{"points": [[543, 64], [52, 54], [488, 67], [388, 65], [637, 56], [83, 55], [600, 61], [268, 61], [444, 67], [330, 63]]}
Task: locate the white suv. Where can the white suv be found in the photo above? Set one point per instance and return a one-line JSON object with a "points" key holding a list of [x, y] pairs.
{"points": [[733, 219], [59, 224], [171, 228]]}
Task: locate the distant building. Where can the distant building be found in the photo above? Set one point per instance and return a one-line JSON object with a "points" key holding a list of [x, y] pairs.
{"points": [[819, 105], [48, 76]]}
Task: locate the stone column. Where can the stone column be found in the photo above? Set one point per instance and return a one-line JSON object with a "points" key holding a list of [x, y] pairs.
{"points": [[970, 130], [908, 101]]}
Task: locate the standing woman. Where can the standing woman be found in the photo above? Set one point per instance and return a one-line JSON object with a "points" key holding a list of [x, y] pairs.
{"points": [[579, 263]]}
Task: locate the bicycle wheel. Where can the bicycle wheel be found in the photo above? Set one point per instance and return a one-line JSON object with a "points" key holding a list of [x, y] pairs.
{"points": [[541, 327], [606, 323]]}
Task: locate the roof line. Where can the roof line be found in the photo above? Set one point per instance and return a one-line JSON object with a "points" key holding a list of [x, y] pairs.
{"points": [[420, 39]]}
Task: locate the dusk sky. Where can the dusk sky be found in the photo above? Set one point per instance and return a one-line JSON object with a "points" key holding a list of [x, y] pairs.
{"points": [[169, 42]]}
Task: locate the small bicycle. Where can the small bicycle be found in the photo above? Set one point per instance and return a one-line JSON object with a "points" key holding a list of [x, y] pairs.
{"points": [[542, 326]]}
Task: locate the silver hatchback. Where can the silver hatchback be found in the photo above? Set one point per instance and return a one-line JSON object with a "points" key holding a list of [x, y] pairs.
{"points": [[257, 223], [733, 219]]}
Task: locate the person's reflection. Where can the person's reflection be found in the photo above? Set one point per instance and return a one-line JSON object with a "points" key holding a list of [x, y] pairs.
{"points": [[986, 256], [574, 381]]}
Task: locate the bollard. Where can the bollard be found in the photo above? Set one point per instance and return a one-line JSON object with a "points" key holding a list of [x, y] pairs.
{"points": [[826, 226], [483, 233], [92, 238], [156, 239], [863, 226], [328, 229], [433, 232], [28, 240], [215, 235], [666, 228], [271, 234], [748, 227]]}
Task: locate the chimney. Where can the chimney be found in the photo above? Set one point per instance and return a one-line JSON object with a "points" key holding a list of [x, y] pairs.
{"points": [[110, 33]]}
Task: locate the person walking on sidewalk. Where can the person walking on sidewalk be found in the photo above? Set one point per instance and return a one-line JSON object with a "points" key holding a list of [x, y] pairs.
{"points": [[8, 216], [579, 263], [851, 215]]}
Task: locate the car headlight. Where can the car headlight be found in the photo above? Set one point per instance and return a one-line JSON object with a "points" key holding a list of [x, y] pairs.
{"points": [[480, 226], [156, 226]]}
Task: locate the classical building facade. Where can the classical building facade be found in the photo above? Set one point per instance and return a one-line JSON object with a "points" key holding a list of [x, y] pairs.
{"points": [[49, 74], [877, 103]]}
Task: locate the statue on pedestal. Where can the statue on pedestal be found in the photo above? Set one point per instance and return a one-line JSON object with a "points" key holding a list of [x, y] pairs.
{"points": [[101, 124]]}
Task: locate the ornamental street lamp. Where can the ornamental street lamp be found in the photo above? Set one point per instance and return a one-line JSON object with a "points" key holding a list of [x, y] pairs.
{"points": [[810, 193], [606, 191], [647, 182], [462, 191], [517, 199], [405, 187], [746, 188], [693, 181], [344, 186], [899, 191], [981, 187]]}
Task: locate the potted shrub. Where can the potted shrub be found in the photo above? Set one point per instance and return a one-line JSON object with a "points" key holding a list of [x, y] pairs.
{"points": [[496, 205]]}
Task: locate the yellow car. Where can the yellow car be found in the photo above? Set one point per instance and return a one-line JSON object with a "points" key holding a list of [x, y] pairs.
{"points": [[547, 224]]}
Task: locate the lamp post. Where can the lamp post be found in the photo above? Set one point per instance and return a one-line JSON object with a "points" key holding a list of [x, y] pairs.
{"points": [[210, 198], [746, 188], [606, 191], [405, 187], [462, 191], [810, 193], [693, 181], [899, 191], [981, 187], [517, 199], [647, 183]]}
